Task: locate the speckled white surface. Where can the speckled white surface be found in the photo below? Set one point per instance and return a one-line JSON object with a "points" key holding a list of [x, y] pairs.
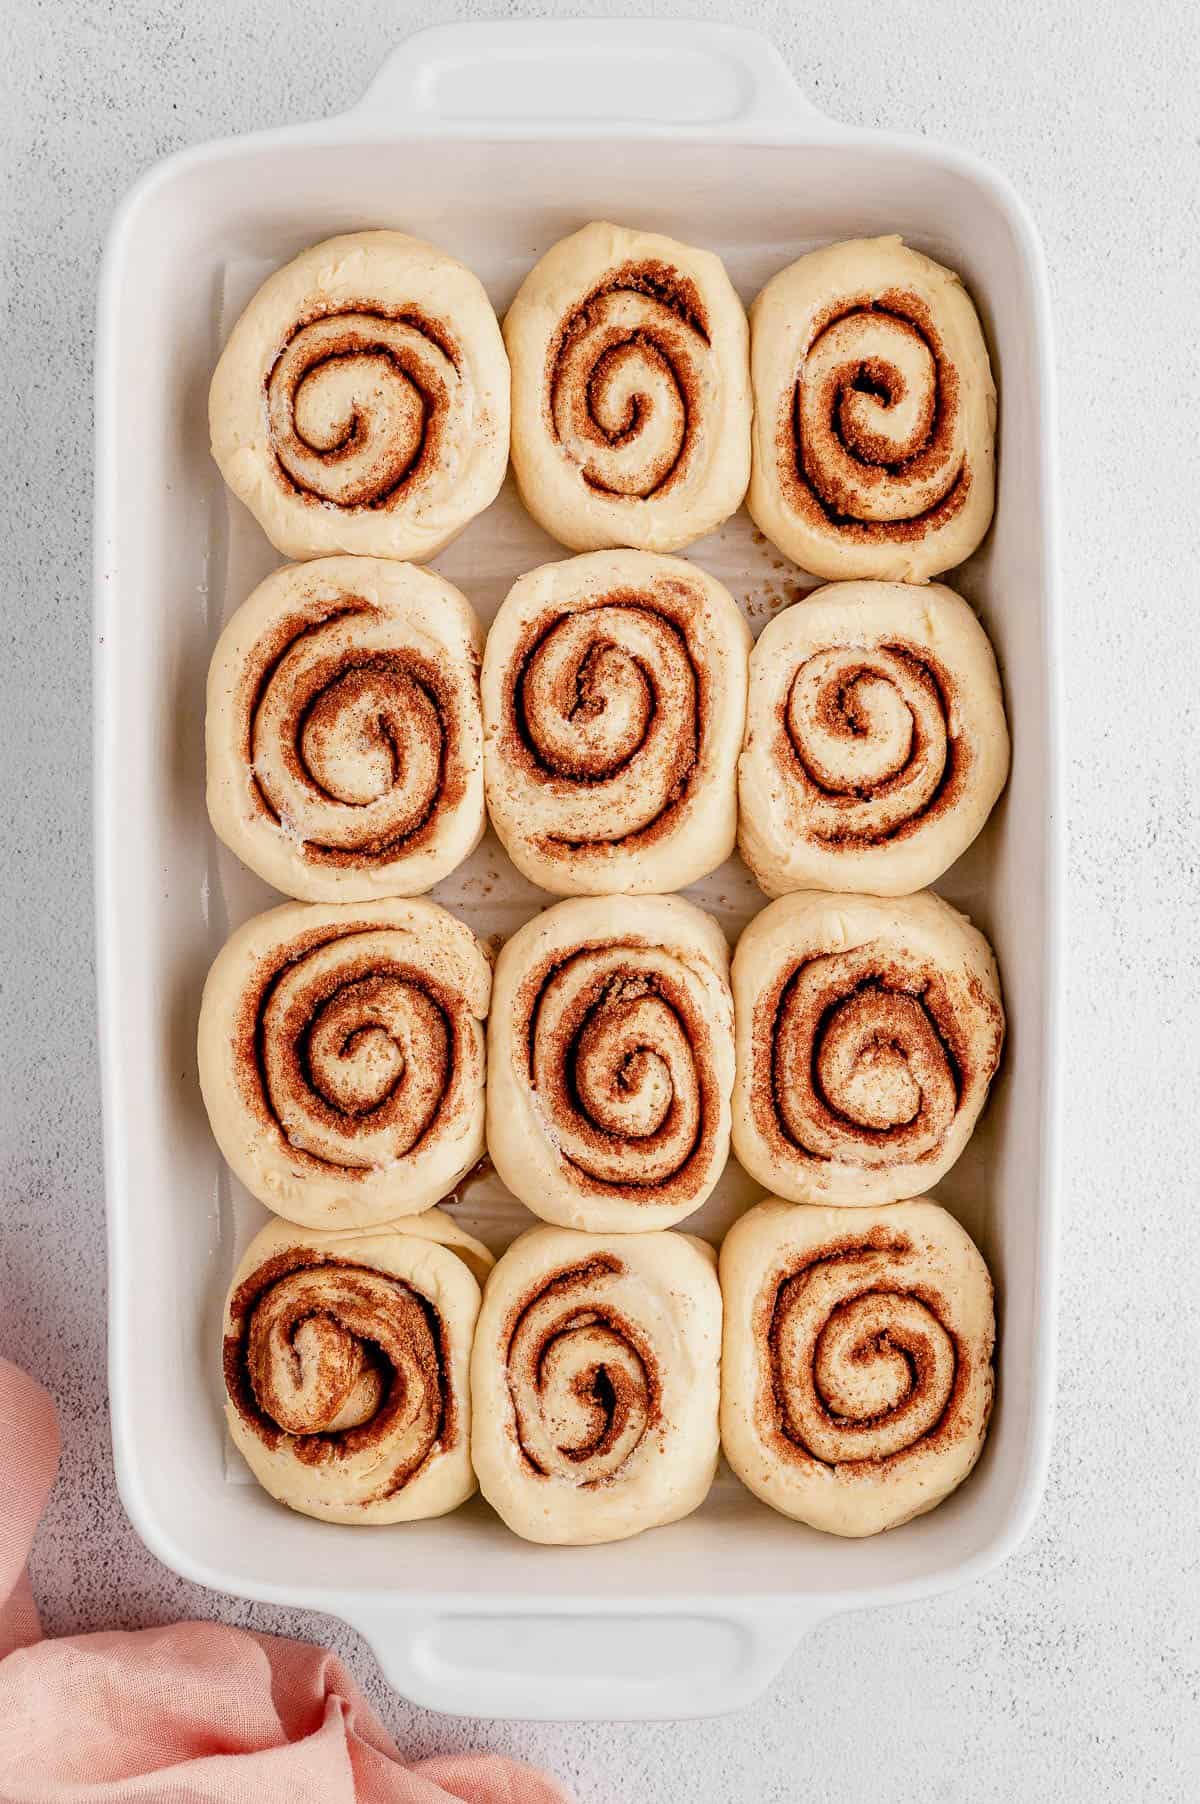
{"points": [[1074, 1671]]}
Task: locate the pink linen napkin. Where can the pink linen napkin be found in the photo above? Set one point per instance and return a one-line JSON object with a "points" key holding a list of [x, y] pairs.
{"points": [[191, 1714]]}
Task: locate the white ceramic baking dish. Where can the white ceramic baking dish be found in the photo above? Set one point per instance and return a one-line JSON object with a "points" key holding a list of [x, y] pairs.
{"points": [[494, 141]]}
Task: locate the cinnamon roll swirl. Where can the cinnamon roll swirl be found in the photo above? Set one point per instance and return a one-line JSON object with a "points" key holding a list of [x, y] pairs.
{"points": [[631, 391], [594, 1384], [868, 1032], [614, 698], [876, 743], [342, 1058], [856, 1375], [875, 414], [345, 742], [362, 401], [346, 1360], [610, 1062]]}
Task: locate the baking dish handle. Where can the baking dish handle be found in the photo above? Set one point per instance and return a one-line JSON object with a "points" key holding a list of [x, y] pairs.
{"points": [[619, 1665], [573, 75]]}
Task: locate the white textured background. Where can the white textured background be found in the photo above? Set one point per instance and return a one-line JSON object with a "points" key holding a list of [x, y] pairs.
{"points": [[1074, 1671]]}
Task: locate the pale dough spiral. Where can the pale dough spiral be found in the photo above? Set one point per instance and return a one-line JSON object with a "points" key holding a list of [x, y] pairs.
{"points": [[868, 1032], [344, 736], [631, 391], [346, 1361], [594, 1383], [610, 1062], [875, 414], [856, 1373], [362, 401], [342, 1058], [876, 743], [614, 699]]}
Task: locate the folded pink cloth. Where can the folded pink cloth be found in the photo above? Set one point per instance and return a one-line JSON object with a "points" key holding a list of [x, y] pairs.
{"points": [[191, 1714]]}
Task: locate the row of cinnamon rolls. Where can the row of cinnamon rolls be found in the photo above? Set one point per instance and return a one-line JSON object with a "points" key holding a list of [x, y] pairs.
{"points": [[843, 1361], [366, 402], [356, 1060], [618, 726]]}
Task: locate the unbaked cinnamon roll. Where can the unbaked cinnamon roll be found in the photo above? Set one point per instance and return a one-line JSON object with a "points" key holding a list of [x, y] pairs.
{"points": [[631, 391], [345, 742], [594, 1383], [868, 1032], [614, 698], [610, 1062], [362, 401], [856, 1374], [342, 1058], [346, 1359], [875, 414], [876, 743]]}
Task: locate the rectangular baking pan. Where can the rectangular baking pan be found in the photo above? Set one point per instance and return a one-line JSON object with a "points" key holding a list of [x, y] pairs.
{"points": [[493, 141]]}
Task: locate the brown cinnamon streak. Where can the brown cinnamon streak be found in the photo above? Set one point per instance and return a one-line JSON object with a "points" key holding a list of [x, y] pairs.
{"points": [[414, 1330]]}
